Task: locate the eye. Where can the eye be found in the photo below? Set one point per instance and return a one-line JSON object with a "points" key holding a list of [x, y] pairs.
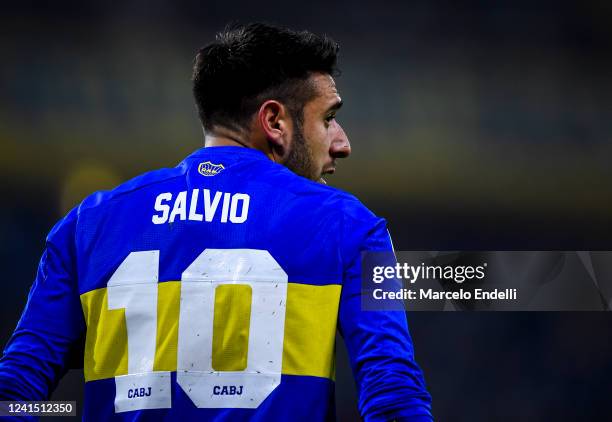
{"points": [[330, 117]]}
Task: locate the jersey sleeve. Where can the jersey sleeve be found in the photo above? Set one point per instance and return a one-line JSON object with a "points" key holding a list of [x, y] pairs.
{"points": [[51, 326], [389, 382]]}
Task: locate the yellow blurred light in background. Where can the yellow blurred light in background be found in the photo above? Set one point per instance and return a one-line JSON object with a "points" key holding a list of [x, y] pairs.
{"points": [[84, 179]]}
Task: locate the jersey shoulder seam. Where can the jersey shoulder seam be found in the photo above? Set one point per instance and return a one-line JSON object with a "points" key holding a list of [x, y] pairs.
{"points": [[122, 189]]}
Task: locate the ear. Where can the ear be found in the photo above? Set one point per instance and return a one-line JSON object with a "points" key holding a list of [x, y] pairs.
{"points": [[274, 119]]}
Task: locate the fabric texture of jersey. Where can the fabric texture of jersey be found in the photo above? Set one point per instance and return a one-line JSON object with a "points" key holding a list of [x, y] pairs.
{"points": [[213, 291]]}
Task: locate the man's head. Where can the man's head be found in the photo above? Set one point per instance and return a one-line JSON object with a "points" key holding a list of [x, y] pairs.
{"points": [[272, 88]]}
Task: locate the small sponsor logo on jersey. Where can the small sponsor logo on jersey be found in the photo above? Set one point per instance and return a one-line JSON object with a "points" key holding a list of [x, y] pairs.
{"points": [[209, 169], [227, 390], [139, 392]]}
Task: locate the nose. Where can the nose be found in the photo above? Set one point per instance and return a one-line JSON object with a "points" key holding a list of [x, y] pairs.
{"points": [[340, 146]]}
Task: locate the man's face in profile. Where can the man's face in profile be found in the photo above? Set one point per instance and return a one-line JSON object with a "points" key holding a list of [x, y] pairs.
{"points": [[319, 140]]}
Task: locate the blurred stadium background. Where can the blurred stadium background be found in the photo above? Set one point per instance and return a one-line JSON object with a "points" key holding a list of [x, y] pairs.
{"points": [[482, 126]]}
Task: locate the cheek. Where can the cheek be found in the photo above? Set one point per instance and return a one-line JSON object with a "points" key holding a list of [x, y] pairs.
{"points": [[322, 141], [318, 138]]}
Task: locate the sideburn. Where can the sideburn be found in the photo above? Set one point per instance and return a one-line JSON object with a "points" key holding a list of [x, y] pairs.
{"points": [[299, 159]]}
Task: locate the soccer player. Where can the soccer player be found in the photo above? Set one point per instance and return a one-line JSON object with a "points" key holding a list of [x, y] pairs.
{"points": [[213, 290]]}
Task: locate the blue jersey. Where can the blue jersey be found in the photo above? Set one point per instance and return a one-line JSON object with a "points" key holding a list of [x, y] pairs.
{"points": [[213, 291]]}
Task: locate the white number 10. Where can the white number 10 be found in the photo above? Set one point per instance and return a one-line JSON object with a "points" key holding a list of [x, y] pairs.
{"points": [[133, 287]]}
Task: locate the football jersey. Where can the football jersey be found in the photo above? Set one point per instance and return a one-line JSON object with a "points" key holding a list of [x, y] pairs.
{"points": [[213, 291]]}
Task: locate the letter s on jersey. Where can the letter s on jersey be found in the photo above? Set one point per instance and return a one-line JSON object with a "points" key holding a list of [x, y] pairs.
{"points": [[169, 208], [161, 207]]}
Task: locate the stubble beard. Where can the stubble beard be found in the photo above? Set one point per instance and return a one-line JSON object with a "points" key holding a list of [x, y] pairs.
{"points": [[300, 159]]}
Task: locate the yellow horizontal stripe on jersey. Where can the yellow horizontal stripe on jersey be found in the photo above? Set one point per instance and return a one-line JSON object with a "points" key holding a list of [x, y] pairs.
{"points": [[232, 316], [310, 329], [168, 302], [106, 340]]}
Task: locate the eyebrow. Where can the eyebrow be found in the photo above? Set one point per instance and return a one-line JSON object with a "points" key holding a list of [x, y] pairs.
{"points": [[335, 107]]}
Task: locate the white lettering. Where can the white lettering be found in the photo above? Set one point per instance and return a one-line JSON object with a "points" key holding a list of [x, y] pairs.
{"points": [[193, 207], [210, 209], [235, 207], [180, 207], [163, 208], [244, 212], [226, 202]]}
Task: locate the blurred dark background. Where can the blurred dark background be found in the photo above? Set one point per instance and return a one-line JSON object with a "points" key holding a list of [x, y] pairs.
{"points": [[486, 125]]}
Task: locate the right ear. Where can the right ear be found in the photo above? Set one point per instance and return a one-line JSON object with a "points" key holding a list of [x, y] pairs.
{"points": [[275, 121]]}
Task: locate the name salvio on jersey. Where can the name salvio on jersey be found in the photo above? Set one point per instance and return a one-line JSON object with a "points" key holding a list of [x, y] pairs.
{"points": [[201, 205]]}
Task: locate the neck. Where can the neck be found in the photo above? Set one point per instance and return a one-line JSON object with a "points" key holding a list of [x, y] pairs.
{"points": [[225, 138], [222, 137]]}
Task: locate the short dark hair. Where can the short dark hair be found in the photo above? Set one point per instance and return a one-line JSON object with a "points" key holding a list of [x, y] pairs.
{"points": [[249, 64]]}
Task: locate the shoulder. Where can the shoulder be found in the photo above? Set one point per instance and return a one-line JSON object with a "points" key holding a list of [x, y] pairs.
{"points": [[329, 199], [64, 230], [340, 208], [140, 182], [344, 205]]}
